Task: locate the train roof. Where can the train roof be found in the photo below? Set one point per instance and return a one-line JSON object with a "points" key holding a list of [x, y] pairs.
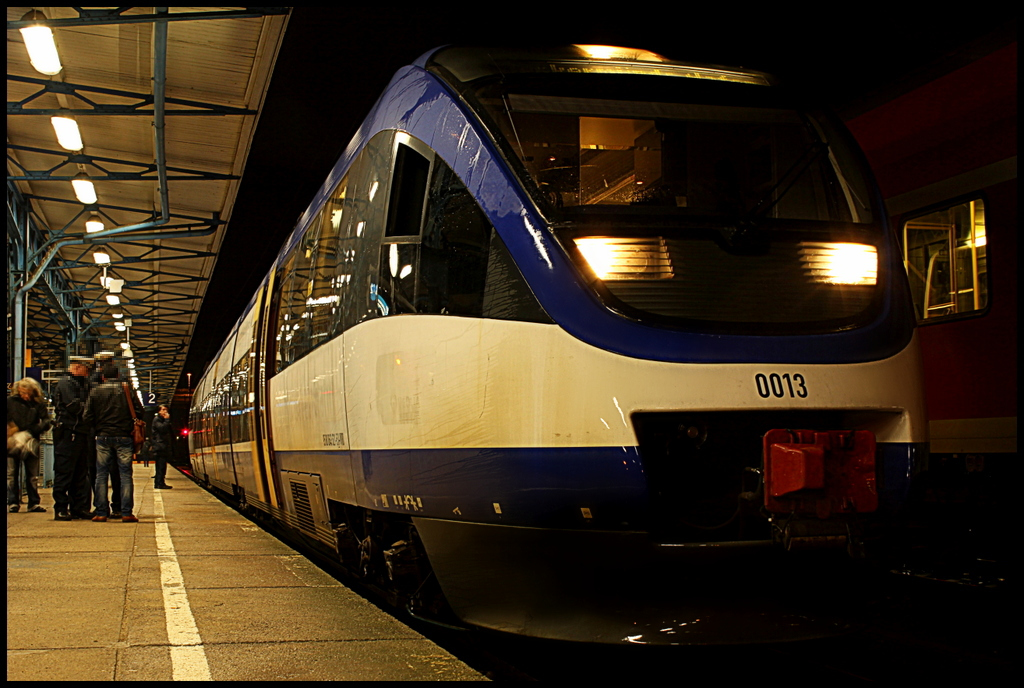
{"points": [[467, 64]]}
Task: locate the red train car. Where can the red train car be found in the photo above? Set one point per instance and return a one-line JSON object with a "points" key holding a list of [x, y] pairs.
{"points": [[945, 155]]}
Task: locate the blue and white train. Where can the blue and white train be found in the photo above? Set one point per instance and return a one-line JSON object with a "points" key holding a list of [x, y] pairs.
{"points": [[569, 336]]}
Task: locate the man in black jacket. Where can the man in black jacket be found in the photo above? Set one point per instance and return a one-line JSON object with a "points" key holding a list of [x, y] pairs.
{"points": [[71, 439], [107, 412]]}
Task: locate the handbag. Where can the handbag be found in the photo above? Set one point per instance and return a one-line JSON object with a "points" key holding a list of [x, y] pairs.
{"points": [[138, 425]]}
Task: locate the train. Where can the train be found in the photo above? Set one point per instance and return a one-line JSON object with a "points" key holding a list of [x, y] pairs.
{"points": [[945, 156], [585, 344]]}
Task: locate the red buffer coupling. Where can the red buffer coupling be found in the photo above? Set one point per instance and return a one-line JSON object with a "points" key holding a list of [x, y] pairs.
{"points": [[823, 473]]}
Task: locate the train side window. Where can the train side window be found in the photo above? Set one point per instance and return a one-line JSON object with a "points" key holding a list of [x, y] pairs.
{"points": [[293, 285], [946, 255], [408, 190], [360, 247], [399, 256], [323, 305], [443, 269], [455, 248]]}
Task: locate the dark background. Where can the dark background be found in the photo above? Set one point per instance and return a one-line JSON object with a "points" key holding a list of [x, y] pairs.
{"points": [[334, 63]]}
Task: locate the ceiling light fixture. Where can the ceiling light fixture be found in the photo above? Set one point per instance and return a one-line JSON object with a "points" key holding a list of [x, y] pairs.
{"points": [[94, 224], [42, 50], [85, 190], [68, 134]]}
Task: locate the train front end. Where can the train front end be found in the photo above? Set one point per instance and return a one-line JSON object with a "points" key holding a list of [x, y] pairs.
{"points": [[729, 389]]}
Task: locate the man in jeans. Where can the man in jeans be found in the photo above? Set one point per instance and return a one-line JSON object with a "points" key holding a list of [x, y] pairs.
{"points": [[107, 412]]}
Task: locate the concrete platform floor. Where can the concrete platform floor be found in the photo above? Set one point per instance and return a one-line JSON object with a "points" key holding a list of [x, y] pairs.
{"points": [[194, 591]]}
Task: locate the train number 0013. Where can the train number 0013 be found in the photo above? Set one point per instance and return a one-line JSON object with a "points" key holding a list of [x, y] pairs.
{"points": [[775, 385]]}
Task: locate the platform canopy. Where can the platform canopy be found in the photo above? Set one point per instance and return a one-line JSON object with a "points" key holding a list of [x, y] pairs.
{"points": [[166, 101]]}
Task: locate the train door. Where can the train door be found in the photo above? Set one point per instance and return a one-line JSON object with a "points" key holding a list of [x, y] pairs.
{"points": [[266, 351], [241, 406]]}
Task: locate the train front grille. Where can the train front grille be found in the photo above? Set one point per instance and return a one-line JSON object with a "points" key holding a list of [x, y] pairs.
{"points": [[704, 470]]}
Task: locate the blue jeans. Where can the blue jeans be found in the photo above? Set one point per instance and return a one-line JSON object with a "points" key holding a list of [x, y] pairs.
{"points": [[109, 450], [28, 475]]}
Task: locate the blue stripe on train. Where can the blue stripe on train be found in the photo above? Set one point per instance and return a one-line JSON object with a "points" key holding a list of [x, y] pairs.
{"points": [[547, 487]]}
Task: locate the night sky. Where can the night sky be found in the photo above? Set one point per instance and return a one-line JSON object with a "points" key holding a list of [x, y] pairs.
{"points": [[334, 63]]}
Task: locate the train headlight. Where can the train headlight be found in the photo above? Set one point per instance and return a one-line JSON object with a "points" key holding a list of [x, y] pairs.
{"points": [[626, 258], [840, 263]]}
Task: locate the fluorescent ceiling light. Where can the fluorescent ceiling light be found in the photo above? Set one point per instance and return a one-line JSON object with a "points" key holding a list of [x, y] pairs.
{"points": [[113, 299], [42, 50], [94, 224], [85, 190], [101, 258], [68, 135]]}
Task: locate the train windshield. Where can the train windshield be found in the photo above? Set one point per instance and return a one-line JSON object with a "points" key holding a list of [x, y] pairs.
{"points": [[705, 198], [711, 160]]}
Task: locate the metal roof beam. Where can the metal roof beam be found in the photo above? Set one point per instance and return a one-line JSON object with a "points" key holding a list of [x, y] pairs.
{"points": [[25, 231], [95, 160], [142, 100], [116, 16], [214, 218]]}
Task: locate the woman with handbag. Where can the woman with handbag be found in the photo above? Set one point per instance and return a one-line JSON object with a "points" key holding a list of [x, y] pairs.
{"points": [[112, 412], [27, 419]]}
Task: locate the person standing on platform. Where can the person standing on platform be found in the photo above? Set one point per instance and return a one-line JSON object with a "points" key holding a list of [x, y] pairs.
{"points": [[103, 359], [27, 419], [71, 439], [108, 413], [160, 441]]}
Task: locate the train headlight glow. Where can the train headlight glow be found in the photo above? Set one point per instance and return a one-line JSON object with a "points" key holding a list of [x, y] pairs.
{"points": [[610, 59], [616, 258], [840, 263], [614, 52]]}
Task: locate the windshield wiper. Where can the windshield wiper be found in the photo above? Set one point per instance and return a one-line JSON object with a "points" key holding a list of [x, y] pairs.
{"points": [[796, 170], [746, 236]]}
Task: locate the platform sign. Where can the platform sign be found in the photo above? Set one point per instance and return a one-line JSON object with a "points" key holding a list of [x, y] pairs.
{"points": [[150, 398]]}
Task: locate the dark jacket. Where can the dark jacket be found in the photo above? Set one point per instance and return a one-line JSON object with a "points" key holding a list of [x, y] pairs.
{"points": [[106, 411], [69, 402], [160, 432], [33, 417]]}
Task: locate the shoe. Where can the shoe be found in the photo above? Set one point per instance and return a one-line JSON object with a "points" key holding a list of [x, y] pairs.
{"points": [[62, 516], [81, 515], [37, 509], [162, 487], [13, 508], [99, 519], [129, 519]]}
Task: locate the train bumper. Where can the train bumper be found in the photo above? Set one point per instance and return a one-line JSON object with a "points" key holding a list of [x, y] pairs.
{"points": [[621, 587]]}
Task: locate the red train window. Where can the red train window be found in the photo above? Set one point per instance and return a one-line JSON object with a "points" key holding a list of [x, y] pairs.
{"points": [[945, 252]]}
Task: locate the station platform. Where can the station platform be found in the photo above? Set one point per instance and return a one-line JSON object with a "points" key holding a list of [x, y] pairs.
{"points": [[193, 591]]}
